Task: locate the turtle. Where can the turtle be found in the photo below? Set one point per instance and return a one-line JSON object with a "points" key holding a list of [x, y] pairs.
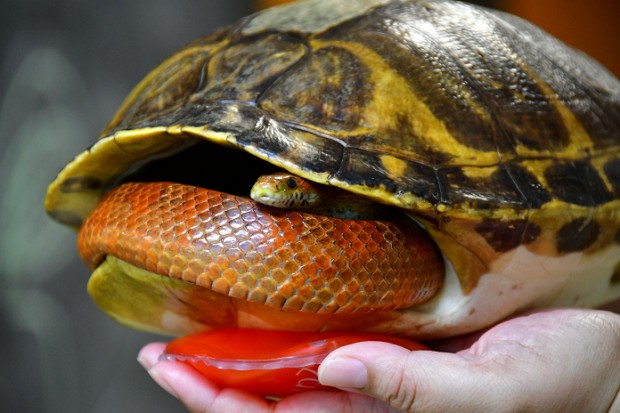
{"points": [[492, 147]]}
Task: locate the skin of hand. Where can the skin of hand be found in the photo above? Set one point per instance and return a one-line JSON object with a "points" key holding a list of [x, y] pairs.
{"points": [[561, 360]]}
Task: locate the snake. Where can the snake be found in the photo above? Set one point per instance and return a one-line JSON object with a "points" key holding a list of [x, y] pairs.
{"points": [[317, 260]]}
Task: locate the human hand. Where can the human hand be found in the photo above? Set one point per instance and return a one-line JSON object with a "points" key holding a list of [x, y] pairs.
{"points": [[552, 361]]}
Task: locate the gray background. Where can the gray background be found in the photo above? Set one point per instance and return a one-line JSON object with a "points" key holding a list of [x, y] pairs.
{"points": [[65, 67]]}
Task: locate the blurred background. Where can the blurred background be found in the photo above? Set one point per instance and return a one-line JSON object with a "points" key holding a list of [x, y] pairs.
{"points": [[65, 67]]}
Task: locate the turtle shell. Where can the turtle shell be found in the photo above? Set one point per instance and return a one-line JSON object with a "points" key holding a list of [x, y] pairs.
{"points": [[492, 133]]}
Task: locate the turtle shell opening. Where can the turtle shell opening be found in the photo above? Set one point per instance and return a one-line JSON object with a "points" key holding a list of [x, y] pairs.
{"points": [[205, 165]]}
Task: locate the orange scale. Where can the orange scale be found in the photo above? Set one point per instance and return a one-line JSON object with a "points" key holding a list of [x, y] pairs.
{"points": [[268, 285], [384, 265], [271, 262], [322, 261], [378, 237], [356, 264], [348, 253], [289, 236], [253, 258], [240, 266], [297, 280], [358, 245], [166, 237], [380, 286], [188, 275], [144, 244], [365, 256], [316, 282], [202, 198], [284, 254], [163, 264], [342, 298], [175, 272], [307, 238], [355, 227], [314, 249], [222, 262], [180, 261], [289, 267], [302, 258], [239, 290], [325, 295], [203, 280], [205, 218], [334, 285], [191, 222], [258, 271], [276, 300], [379, 276], [221, 286], [351, 284], [312, 306], [286, 290], [278, 276], [294, 303], [295, 218], [370, 266], [371, 245], [364, 237], [183, 240], [359, 300], [349, 236], [188, 203], [257, 296]]}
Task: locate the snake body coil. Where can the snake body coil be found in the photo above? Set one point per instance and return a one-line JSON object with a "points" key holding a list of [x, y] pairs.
{"points": [[285, 259]]}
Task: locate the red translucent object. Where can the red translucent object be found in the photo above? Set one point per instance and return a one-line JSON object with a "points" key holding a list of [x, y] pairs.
{"points": [[265, 362]]}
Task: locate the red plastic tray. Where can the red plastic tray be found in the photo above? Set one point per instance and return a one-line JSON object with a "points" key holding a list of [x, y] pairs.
{"points": [[269, 363]]}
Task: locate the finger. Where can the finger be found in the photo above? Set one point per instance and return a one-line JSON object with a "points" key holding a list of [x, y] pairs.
{"points": [[149, 354], [419, 381]]}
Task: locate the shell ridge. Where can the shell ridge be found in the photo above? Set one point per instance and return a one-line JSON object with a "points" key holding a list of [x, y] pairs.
{"points": [[282, 75]]}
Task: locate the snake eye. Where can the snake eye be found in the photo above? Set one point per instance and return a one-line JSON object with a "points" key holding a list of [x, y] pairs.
{"points": [[291, 183]]}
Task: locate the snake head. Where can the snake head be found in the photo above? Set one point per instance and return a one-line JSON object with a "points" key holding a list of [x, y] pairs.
{"points": [[284, 190]]}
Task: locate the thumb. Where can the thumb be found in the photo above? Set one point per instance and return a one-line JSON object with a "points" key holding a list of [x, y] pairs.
{"points": [[418, 381]]}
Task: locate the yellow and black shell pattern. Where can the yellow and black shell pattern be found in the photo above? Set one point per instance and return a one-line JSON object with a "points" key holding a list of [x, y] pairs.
{"points": [[474, 120]]}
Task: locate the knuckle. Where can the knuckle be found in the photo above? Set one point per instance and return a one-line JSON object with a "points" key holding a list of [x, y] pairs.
{"points": [[400, 390]]}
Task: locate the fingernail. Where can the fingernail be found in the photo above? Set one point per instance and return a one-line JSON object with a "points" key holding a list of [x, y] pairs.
{"points": [[144, 361], [161, 380], [343, 372]]}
